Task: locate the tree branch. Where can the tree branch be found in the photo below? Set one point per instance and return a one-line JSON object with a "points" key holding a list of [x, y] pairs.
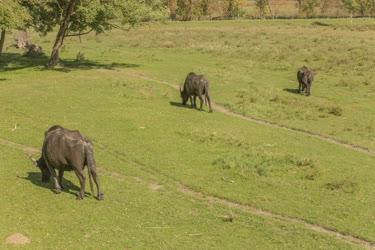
{"points": [[80, 34], [119, 27], [61, 9]]}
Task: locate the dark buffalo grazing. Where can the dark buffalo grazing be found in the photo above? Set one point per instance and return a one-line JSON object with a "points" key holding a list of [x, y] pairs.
{"points": [[67, 150], [196, 85], [305, 78]]}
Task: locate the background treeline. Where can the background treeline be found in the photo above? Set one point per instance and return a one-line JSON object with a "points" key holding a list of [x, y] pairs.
{"points": [[186, 10], [81, 17]]}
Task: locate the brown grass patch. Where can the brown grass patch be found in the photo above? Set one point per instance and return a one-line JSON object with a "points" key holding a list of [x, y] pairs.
{"points": [[17, 239]]}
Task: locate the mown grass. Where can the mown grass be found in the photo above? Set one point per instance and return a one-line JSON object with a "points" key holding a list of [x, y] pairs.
{"points": [[137, 131]]}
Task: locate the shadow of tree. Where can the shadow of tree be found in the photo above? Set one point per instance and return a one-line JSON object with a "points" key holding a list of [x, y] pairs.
{"points": [[36, 179], [14, 61]]}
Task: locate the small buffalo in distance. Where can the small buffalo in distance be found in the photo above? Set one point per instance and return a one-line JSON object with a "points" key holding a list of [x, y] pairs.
{"points": [[67, 150], [305, 78], [196, 85]]}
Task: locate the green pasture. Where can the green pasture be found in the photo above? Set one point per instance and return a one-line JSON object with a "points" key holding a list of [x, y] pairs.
{"points": [[147, 145]]}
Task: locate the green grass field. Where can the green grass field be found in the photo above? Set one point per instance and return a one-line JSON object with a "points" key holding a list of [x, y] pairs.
{"points": [[150, 150]]}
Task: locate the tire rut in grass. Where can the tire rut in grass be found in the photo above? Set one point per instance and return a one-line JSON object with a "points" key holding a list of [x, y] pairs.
{"points": [[186, 190]]}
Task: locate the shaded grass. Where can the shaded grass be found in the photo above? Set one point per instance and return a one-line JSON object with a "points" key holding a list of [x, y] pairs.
{"points": [[14, 61]]}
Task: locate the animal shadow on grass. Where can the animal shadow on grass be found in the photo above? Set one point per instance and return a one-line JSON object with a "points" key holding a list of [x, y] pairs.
{"points": [[293, 91], [36, 179], [180, 105], [14, 61]]}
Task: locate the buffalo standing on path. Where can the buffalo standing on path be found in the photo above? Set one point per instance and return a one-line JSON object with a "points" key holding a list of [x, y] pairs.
{"points": [[67, 150], [305, 78], [196, 85]]}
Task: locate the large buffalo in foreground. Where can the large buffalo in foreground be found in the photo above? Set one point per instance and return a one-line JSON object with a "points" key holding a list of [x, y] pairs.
{"points": [[196, 85], [305, 78], [67, 150]]}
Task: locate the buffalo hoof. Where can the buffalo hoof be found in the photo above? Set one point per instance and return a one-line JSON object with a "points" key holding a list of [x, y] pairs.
{"points": [[100, 197], [79, 197]]}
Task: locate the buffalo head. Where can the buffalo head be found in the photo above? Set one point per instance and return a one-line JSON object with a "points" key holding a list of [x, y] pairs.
{"points": [[184, 96], [41, 164]]}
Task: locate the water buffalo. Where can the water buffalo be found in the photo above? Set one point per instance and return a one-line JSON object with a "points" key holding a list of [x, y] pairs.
{"points": [[305, 78], [196, 85], [67, 150]]}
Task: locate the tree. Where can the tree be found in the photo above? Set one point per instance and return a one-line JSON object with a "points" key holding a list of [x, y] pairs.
{"points": [[12, 16], [233, 9], [172, 5], [204, 5], [363, 7], [81, 17], [185, 9], [261, 4], [351, 5], [307, 6]]}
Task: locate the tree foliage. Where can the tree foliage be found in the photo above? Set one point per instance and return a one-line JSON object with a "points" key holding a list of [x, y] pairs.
{"points": [[187, 10], [307, 7], [80, 17], [360, 7], [95, 15], [233, 9], [262, 6], [12, 16]]}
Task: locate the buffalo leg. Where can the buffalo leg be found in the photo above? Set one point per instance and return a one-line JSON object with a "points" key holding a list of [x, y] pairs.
{"points": [[61, 174], [191, 101], [209, 103], [195, 101], [82, 182], [308, 89], [95, 176], [56, 182], [201, 100], [300, 87], [57, 189]]}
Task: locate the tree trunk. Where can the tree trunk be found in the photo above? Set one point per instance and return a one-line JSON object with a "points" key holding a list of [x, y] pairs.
{"points": [[55, 55], [2, 41], [189, 10], [270, 9]]}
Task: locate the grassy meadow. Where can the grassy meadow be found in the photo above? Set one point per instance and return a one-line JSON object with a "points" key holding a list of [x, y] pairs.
{"points": [[148, 147]]}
